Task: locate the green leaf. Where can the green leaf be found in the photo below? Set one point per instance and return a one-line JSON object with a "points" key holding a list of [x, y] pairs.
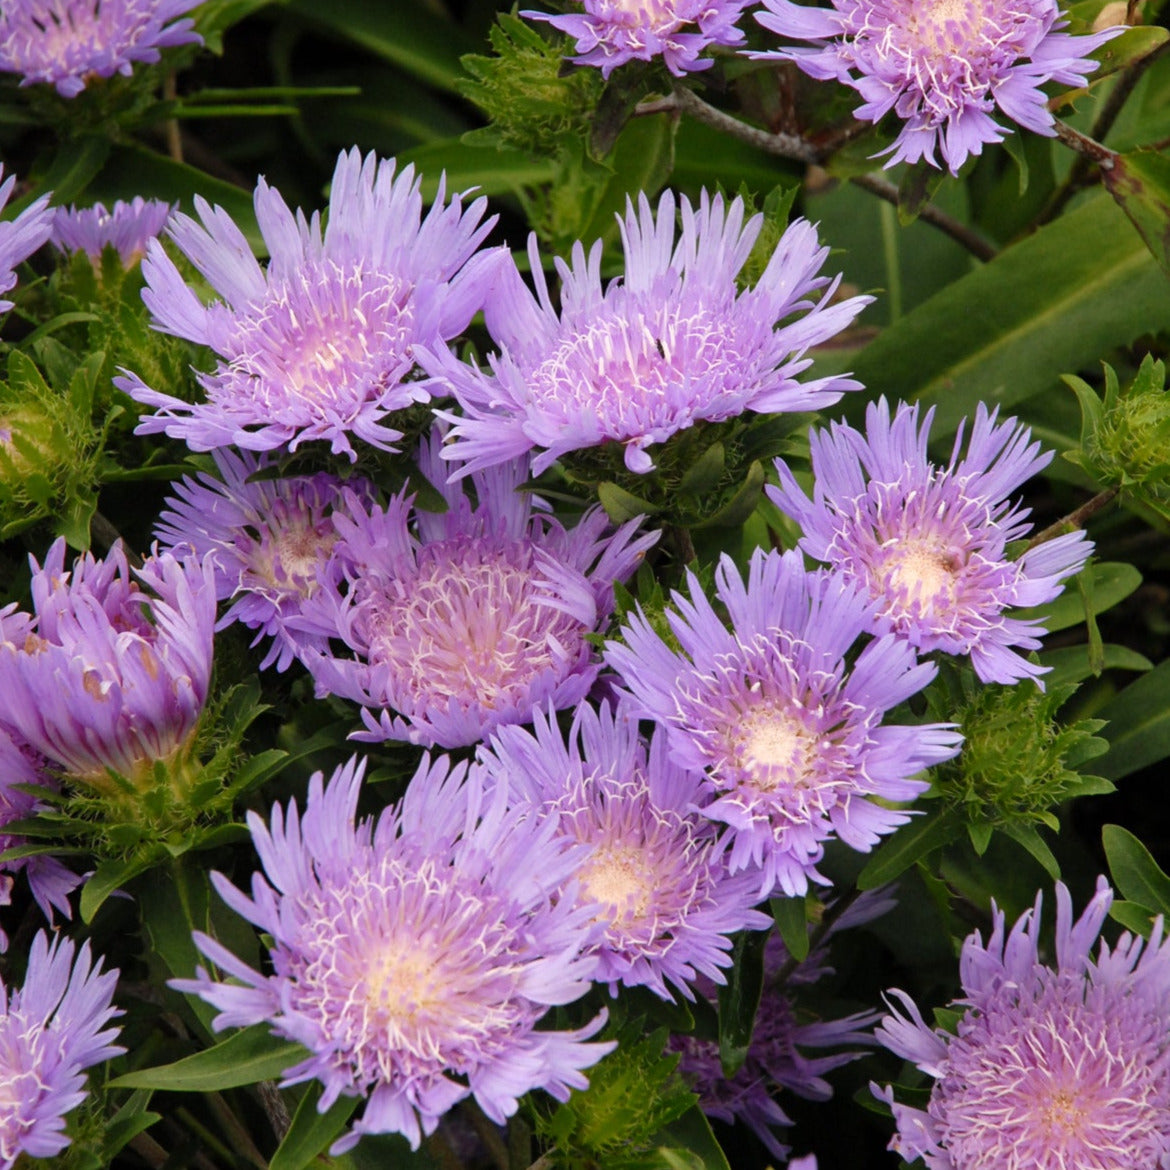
{"points": [[621, 505], [741, 505], [1029, 837], [108, 877], [1056, 301], [691, 1135], [251, 1055], [70, 172], [791, 918], [922, 836], [410, 36], [1135, 873], [704, 474], [311, 1132], [1132, 917], [739, 999], [1070, 664], [1140, 182], [1138, 730], [1113, 581]]}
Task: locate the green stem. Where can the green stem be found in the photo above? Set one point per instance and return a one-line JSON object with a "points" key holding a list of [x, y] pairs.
{"points": [[1077, 518]]}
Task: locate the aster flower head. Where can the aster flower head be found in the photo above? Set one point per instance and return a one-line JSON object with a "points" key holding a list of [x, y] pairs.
{"points": [[654, 872], [609, 33], [51, 1030], [928, 543], [107, 675], [412, 956], [1050, 1067], [269, 539], [66, 43], [944, 66], [789, 738], [128, 228], [49, 881], [320, 345], [673, 343], [20, 237], [775, 1059], [475, 619]]}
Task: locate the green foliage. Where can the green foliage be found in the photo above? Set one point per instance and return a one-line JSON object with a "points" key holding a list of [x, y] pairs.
{"points": [[530, 102], [1017, 760], [633, 1093], [1125, 436]]}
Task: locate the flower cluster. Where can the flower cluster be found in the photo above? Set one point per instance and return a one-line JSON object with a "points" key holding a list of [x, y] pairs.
{"points": [[673, 343], [413, 956], [51, 1030], [788, 737], [66, 44], [107, 675], [478, 620], [1049, 1067], [928, 544], [942, 67], [320, 346], [611, 33], [127, 229]]}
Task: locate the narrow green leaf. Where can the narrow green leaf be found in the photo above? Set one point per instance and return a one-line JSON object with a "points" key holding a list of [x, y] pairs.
{"points": [[922, 836], [1070, 664], [692, 1135], [251, 1055], [1132, 917], [1138, 730], [311, 1132], [739, 999], [1135, 873], [108, 877], [69, 173], [410, 36], [1113, 581], [741, 505], [791, 918], [1140, 182], [1029, 837], [704, 474], [621, 505], [1056, 301]]}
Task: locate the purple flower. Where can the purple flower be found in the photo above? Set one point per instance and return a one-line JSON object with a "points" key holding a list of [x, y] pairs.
{"points": [[943, 67], [49, 881], [478, 621], [107, 675], [928, 543], [128, 228], [51, 1031], [413, 957], [271, 539], [774, 1059], [653, 866], [321, 345], [20, 237], [673, 343], [789, 738], [1048, 1068], [66, 43], [611, 32]]}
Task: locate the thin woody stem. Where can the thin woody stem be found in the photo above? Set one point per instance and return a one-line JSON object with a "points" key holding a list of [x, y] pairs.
{"points": [[1076, 519], [797, 149], [1093, 150]]}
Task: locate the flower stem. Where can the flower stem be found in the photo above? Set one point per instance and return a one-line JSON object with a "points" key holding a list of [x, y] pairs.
{"points": [[1083, 144], [1076, 519]]}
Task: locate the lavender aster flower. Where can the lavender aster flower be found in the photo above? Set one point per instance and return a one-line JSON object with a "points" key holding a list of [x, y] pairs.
{"points": [[943, 67], [927, 543], [775, 1060], [412, 951], [49, 881], [1050, 1068], [20, 237], [319, 346], [271, 539], [51, 1031], [673, 343], [128, 228], [65, 43], [107, 675], [790, 740], [668, 903], [611, 32], [476, 622]]}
